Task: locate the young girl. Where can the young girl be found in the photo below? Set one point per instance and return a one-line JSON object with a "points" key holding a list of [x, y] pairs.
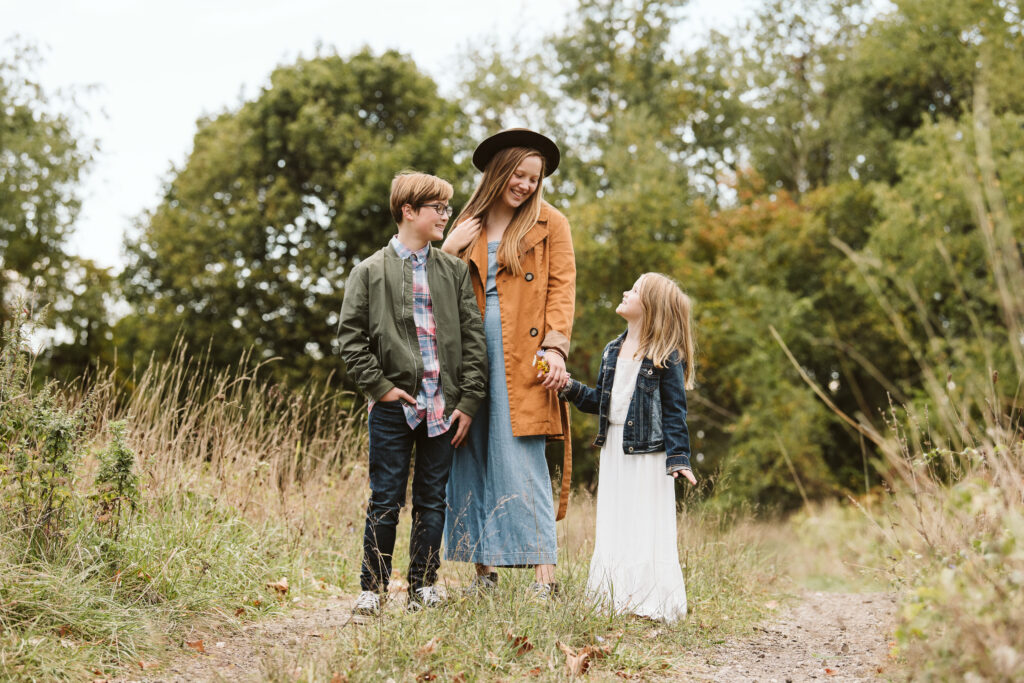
{"points": [[641, 400]]}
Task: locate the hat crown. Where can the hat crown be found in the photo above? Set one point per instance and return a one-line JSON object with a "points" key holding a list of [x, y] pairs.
{"points": [[517, 137]]}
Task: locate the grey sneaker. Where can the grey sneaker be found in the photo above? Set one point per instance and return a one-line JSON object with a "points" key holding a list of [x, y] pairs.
{"points": [[427, 596], [544, 592], [482, 583], [367, 604]]}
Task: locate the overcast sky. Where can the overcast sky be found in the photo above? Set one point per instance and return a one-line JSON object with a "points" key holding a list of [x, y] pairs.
{"points": [[158, 66]]}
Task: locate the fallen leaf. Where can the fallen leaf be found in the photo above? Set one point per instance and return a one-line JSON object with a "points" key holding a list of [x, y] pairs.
{"points": [[64, 630], [339, 678], [196, 645], [578, 661], [521, 644], [281, 586], [240, 611], [459, 678], [426, 676], [627, 675], [430, 647], [148, 665], [830, 672], [256, 603], [535, 671]]}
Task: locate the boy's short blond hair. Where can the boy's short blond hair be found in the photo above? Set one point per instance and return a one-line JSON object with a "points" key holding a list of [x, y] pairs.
{"points": [[416, 189]]}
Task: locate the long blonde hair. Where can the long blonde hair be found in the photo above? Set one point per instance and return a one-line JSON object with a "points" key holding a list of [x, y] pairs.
{"points": [[492, 185], [666, 326]]}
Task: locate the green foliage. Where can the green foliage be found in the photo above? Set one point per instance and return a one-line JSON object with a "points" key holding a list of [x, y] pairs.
{"points": [[117, 485], [42, 158], [42, 444], [279, 198]]}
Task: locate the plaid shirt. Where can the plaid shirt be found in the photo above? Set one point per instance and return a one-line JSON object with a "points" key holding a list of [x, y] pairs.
{"points": [[430, 399]]}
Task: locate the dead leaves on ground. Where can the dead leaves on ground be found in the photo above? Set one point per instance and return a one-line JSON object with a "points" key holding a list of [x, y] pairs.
{"points": [[577, 662], [196, 645], [520, 644], [430, 647], [281, 585]]}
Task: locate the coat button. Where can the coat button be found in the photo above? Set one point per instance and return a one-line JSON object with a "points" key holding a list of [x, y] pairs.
{"points": [[650, 372], [529, 277], [630, 449], [534, 332], [630, 423]]}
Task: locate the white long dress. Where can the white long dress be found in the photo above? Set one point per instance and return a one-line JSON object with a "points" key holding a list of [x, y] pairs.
{"points": [[635, 568]]}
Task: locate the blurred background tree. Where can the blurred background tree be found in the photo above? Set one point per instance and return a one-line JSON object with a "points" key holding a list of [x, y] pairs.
{"points": [[43, 156], [252, 241]]}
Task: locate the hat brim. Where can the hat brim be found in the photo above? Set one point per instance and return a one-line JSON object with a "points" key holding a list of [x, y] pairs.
{"points": [[518, 137]]}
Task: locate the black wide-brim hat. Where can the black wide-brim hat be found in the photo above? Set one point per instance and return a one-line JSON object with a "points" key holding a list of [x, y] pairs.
{"points": [[518, 137]]}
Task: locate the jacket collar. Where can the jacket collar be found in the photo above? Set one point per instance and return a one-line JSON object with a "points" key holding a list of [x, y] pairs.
{"points": [[390, 252], [615, 344]]}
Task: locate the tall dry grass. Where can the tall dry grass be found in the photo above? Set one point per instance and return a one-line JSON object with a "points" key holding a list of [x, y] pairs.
{"points": [[269, 452]]}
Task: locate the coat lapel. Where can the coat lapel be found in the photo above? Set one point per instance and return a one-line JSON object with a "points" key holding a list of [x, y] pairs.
{"points": [[539, 231]]}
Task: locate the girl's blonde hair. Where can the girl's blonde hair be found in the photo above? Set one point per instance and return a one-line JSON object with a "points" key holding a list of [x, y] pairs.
{"points": [[489, 191], [666, 325]]}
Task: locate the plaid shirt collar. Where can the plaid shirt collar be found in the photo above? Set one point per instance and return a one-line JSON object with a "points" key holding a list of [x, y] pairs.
{"points": [[404, 252]]}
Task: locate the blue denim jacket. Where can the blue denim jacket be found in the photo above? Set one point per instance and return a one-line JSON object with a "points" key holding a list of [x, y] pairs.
{"points": [[656, 420]]}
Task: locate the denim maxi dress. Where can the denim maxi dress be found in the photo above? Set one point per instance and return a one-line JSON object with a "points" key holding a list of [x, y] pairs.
{"points": [[500, 503]]}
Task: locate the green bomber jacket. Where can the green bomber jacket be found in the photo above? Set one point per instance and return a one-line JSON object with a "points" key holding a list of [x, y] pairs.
{"points": [[378, 334]]}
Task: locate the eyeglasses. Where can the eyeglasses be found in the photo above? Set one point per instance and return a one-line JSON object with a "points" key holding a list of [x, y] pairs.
{"points": [[442, 209]]}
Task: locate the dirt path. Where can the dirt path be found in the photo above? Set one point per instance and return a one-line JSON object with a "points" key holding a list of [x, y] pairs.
{"points": [[238, 657], [825, 636]]}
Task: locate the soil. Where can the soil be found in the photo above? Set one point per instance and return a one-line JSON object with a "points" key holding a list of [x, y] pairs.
{"points": [[822, 637]]}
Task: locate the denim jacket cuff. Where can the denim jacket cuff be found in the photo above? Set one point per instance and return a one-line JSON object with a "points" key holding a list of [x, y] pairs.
{"points": [[571, 391], [677, 462]]}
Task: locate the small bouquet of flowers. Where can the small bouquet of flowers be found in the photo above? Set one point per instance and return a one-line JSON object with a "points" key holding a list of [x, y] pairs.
{"points": [[540, 363]]}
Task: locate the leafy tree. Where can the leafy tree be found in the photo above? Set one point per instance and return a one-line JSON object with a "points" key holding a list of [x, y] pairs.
{"points": [[42, 158], [278, 199]]}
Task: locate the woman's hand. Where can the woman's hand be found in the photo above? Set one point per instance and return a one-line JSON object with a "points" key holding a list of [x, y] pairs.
{"points": [[556, 371], [461, 236]]}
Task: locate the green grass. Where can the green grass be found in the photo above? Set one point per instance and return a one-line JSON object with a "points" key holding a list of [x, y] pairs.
{"points": [[99, 608], [730, 577]]}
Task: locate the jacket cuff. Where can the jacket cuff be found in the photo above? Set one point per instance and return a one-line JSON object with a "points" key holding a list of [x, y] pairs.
{"points": [[571, 391], [558, 341], [678, 462], [378, 389], [468, 405]]}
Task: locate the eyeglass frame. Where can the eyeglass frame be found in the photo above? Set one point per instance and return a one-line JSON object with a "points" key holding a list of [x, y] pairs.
{"points": [[445, 210]]}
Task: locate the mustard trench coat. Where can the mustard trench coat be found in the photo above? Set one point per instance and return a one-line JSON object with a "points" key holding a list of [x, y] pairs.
{"points": [[537, 310]]}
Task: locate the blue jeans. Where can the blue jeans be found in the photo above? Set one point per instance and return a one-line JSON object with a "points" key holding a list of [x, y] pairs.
{"points": [[391, 447]]}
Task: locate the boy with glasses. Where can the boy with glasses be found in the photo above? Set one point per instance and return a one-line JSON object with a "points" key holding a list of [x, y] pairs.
{"points": [[413, 341]]}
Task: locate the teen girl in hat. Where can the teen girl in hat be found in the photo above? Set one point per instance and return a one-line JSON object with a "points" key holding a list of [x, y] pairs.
{"points": [[523, 270]]}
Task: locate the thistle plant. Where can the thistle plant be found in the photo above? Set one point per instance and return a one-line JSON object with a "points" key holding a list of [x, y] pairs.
{"points": [[117, 485]]}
